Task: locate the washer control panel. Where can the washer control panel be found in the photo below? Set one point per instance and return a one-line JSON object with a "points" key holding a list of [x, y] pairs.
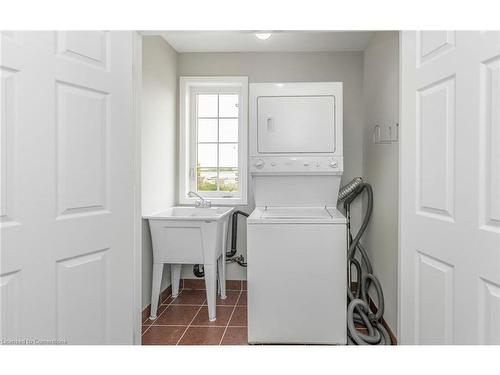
{"points": [[296, 164]]}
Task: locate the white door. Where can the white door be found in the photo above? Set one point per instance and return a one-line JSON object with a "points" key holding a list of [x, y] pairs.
{"points": [[66, 187], [450, 188]]}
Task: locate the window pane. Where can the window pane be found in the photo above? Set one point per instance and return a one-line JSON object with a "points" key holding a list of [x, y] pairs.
{"points": [[207, 130], [207, 155], [228, 130], [228, 179], [228, 155], [206, 179], [207, 105], [228, 105]]}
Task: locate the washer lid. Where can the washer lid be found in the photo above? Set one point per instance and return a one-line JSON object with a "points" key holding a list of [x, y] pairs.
{"points": [[296, 215]]}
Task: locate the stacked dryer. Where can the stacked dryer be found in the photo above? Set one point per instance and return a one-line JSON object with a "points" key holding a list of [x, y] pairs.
{"points": [[296, 236]]}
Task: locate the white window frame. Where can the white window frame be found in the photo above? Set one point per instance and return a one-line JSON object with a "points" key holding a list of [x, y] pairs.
{"points": [[188, 87]]}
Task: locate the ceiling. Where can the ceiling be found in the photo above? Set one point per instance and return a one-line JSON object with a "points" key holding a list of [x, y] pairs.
{"points": [[280, 41]]}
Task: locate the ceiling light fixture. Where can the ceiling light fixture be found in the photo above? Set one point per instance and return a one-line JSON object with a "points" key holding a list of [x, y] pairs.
{"points": [[263, 36]]}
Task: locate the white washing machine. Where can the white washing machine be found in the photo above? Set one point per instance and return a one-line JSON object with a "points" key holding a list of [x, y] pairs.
{"points": [[297, 245]]}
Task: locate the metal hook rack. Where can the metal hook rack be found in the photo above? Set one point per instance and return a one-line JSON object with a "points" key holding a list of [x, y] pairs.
{"points": [[377, 140]]}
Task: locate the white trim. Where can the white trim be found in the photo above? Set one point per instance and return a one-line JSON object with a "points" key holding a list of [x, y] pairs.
{"points": [[136, 113], [185, 86], [399, 326]]}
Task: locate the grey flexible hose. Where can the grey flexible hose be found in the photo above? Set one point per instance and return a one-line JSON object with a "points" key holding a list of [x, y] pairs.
{"points": [[348, 189], [358, 310]]}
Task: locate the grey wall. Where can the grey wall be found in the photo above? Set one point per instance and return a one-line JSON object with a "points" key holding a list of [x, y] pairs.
{"points": [[381, 98], [159, 143], [345, 67]]}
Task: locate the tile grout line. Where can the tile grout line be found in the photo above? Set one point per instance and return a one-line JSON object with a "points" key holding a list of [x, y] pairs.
{"points": [[159, 305], [230, 317], [192, 320], [167, 306], [196, 304], [191, 326], [165, 309], [171, 303], [197, 326], [228, 290]]}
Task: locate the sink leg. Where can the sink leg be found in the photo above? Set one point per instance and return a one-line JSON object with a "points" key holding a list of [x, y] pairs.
{"points": [[175, 270], [155, 290], [222, 276], [211, 286]]}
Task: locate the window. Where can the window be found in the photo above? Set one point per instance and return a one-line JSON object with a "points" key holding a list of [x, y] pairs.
{"points": [[216, 124], [213, 139]]}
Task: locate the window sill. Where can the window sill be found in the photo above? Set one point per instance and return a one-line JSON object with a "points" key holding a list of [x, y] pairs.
{"points": [[216, 201]]}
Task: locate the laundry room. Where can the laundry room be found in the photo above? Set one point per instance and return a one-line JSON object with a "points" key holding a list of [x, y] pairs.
{"points": [[246, 187], [333, 106], [250, 188]]}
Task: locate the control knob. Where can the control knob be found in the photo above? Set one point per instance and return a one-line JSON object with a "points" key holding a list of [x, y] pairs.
{"points": [[259, 163], [332, 163]]}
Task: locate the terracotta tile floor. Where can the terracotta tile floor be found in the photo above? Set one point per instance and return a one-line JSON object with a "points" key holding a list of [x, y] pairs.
{"points": [[184, 320]]}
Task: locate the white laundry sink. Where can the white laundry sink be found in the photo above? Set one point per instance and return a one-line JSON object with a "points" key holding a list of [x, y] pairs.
{"points": [[192, 213], [190, 235]]}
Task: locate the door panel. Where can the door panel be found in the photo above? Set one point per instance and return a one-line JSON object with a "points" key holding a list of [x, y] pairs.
{"points": [[490, 144], [67, 187], [8, 109], [489, 311], [434, 291], [9, 303], [435, 161], [82, 149], [450, 237], [89, 47], [81, 297], [434, 43]]}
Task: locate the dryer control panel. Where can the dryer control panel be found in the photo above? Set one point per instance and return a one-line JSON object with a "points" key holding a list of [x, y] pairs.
{"points": [[296, 165]]}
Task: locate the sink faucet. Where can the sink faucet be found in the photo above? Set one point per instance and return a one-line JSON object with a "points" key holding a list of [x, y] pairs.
{"points": [[202, 203]]}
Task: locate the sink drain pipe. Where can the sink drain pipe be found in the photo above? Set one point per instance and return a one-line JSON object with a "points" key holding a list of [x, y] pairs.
{"points": [[234, 239], [359, 310], [198, 268]]}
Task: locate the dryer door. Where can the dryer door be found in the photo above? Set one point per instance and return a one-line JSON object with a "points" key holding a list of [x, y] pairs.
{"points": [[296, 124]]}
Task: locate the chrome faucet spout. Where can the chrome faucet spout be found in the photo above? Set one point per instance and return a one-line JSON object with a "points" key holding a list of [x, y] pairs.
{"points": [[192, 194], [202, 203]]}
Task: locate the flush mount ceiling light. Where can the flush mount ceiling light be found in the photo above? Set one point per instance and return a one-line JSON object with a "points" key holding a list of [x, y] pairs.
{"points": [[263, 36]]}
